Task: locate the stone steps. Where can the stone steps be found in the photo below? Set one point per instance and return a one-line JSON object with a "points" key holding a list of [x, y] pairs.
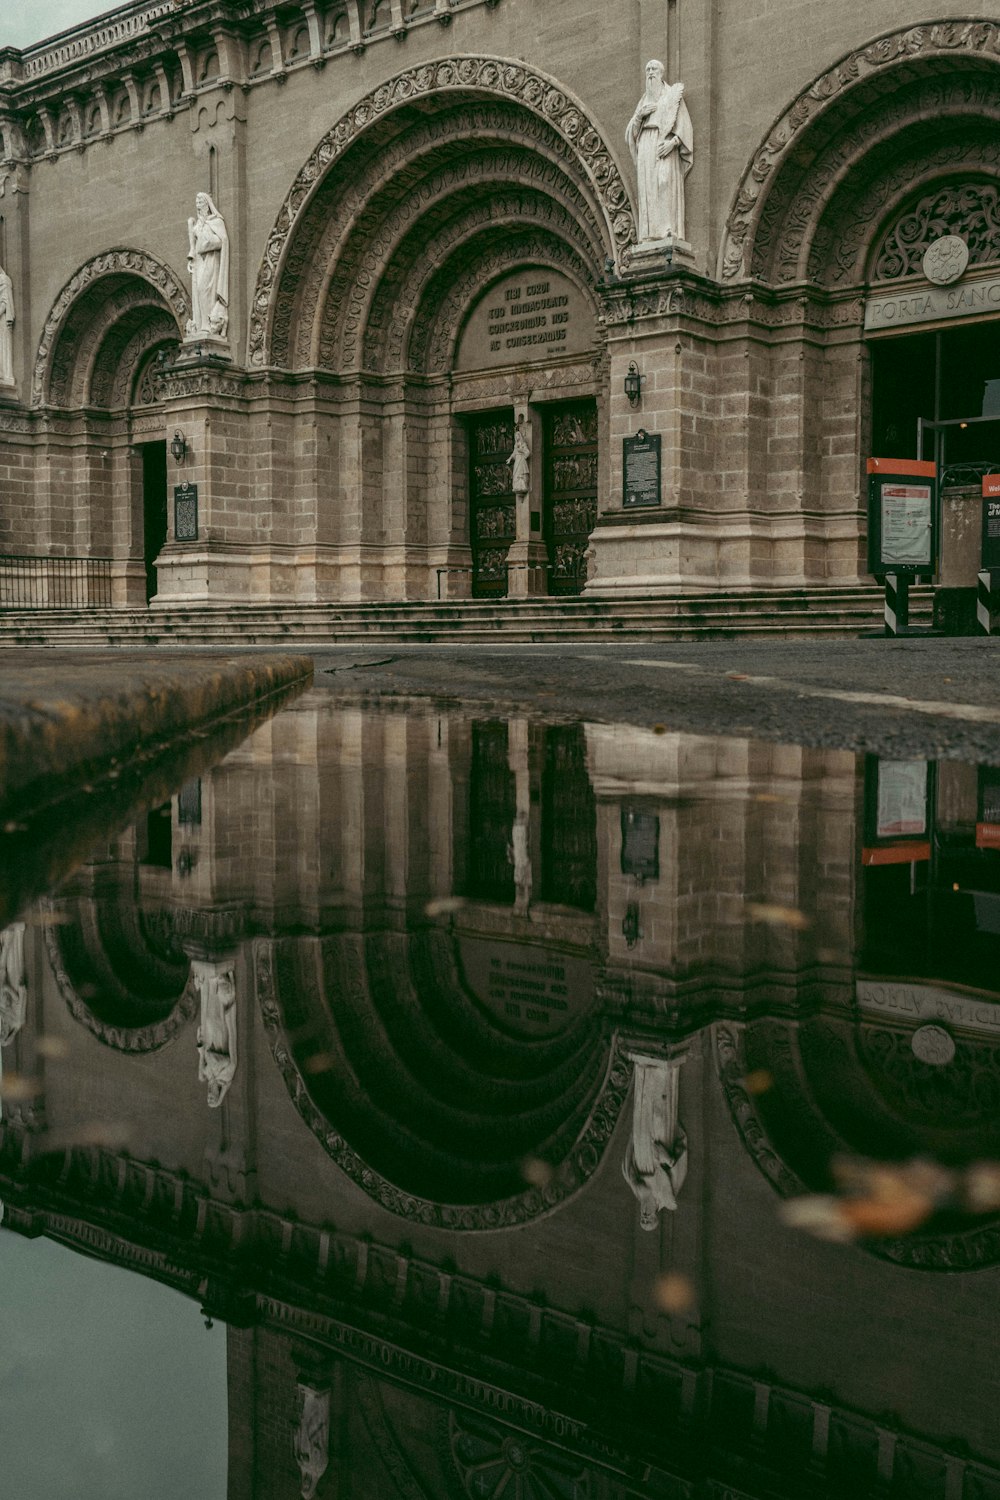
{"points": [[779, 612]]}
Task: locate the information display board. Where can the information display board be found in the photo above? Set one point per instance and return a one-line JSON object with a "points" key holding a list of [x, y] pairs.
{"points": [[990, 553], [185, 512], [902, 512], [641, 470]]}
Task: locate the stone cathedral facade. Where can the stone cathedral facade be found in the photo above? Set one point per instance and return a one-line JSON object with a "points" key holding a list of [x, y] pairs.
{"points": [[432, 235]]}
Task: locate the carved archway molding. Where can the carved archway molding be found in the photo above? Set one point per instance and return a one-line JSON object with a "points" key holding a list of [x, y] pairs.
{"points": [[537, 92], [569, 1175], [936, 41], [130, 1039], [117, 262], [960, 1250]]}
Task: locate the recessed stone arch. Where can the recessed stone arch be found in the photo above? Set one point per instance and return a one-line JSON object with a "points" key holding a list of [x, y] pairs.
{"points": [[425, 110], [879, 102], [114, 286], [119, 980], [428, 1105]]}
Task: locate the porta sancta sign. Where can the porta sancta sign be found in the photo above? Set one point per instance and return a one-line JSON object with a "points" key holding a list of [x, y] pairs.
{"points": [[933, 304], [533, 315]]}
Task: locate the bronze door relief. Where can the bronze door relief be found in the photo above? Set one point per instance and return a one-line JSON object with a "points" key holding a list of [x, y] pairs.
{"points": [[491, 502], [570, 509]]}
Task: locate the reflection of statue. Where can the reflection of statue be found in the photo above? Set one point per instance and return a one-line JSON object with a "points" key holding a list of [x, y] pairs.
{"points": [[6, 329], [656, 1158], [312, 1441], [661, 140], [208, 265], [217, 1031], [13, 989], [521, 482]]}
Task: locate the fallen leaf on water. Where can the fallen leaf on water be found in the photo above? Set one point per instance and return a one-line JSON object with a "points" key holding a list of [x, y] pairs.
{"points": [[444, 906], [536, 1173], [320, 1062], [53, 1047], [758, 1081], [778, 916], [17, 1087], [673, 1293], [659, 729]]}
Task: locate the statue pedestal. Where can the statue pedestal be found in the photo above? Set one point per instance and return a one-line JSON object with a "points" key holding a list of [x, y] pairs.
{"points": [[651, 255], [527, 562], [202, 346]]}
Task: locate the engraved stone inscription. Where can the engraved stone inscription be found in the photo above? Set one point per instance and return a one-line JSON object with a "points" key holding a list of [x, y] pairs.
{"points": [[933, 304], [526, 317]]}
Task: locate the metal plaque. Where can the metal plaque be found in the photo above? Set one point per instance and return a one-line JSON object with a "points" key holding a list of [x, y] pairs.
{"points": [[641, 469], [185, 512]]}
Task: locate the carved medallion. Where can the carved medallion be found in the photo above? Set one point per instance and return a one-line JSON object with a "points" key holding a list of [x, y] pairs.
{"points": [[946, 259], [494, 1461], [934, 1045]]}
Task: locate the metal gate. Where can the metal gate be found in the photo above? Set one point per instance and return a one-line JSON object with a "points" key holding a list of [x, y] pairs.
{"points": [[491, 501], [570, 508]]}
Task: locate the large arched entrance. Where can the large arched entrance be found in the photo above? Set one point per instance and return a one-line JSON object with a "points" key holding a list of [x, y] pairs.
{"points": [[892, 151], [94, 377], [433, 271]]}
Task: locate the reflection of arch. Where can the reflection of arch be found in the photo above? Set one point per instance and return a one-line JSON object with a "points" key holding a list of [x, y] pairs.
{"points": [[121, 978], [923, 100], [835, 1087], [417, 1096], [490, 148], [120, 303]]}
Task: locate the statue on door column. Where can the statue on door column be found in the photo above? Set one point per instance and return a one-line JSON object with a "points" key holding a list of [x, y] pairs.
{"points": [[217, 1056], [520, 461], [661, 140], [6, 329]]}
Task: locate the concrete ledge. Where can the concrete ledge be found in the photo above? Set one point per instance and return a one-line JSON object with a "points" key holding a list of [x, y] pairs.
{"points": [[93, 716]]}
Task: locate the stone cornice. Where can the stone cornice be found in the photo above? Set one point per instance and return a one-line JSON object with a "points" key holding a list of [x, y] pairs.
{"points": [[75, 70]]}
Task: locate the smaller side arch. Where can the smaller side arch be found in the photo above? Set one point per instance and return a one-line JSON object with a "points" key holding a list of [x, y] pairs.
{"points": [[110, 263]]}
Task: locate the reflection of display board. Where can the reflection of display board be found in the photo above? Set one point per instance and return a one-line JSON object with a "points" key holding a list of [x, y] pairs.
{"points": [[898, 795], [990, 553], [901, 516], [901, 799]]}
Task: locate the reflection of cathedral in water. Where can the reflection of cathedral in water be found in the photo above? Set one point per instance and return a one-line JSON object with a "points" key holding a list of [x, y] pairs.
{"points": [[478, 1007]]}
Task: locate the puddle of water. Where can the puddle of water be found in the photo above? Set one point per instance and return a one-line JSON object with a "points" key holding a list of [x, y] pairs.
{"points": [[544, 1110]]}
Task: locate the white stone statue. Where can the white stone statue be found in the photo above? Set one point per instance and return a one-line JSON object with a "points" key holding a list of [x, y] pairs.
{"points": [[208, 265], [13, 985], [656, 1158], [312, 1441], [521, 481], [217, 1055], [661, 141], [6, 329]]}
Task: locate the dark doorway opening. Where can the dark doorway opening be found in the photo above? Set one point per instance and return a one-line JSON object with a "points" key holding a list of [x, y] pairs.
{"points": [[938, 377], [154, 509]]}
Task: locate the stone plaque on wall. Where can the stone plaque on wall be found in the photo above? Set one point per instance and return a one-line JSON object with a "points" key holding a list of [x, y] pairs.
{"points": [[641, 470], [185, 512], [526, 317]]}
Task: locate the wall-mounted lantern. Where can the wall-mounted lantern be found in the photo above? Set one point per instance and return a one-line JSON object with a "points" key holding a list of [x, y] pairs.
{"points": [[633, 384], [178, 445]]}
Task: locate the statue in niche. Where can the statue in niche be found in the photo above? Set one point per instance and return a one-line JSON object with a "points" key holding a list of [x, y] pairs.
{"points": [[656, 1158], [208, 266], [519, 459], [312, 1441], [13, 988], [217, 1057], [6, 329], [661, 140]]}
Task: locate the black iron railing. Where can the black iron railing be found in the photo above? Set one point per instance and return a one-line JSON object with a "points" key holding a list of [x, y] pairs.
{"points": [[55, 582]]}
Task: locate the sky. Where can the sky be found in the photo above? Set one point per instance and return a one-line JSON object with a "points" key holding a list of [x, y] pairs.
{"points": [[23, 22], [111, 1388]]}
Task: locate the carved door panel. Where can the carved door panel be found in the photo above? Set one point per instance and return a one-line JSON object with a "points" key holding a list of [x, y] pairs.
{"points": [[491, 501], [570, 508]]}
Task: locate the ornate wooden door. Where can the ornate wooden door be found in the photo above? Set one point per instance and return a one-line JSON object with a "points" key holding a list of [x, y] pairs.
{"points": [[491, 501], [570, 508]]}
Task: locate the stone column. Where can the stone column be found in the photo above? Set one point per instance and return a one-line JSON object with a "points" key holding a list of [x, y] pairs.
{"points": [[527, 561]]}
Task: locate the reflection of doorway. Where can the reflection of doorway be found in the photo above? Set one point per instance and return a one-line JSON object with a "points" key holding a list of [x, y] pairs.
{"points": [[570, 500], [154, 509], [939, 377]]}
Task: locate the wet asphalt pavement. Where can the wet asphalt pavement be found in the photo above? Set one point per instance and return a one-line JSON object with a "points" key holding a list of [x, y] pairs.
{"points": [[926, 696]]}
